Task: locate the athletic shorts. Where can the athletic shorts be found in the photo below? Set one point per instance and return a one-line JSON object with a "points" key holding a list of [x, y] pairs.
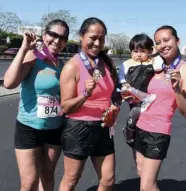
{"points": [[26, 137], [81, 139], [151, 145]]}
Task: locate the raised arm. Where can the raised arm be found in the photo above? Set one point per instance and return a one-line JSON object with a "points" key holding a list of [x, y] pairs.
{"points": [[22, 63], [69, 78]]}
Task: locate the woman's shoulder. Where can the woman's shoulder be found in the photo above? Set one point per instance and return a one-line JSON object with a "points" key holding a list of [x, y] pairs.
{"points": [[71, 64], [182, 62], [182, 65], [74, 59]]}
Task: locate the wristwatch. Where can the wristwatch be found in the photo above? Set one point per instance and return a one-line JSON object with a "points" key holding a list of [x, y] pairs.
{"points": [[85, 94]]}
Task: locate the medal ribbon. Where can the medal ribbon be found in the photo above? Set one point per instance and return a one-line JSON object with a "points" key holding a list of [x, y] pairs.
{"points": [[174, 64], [86, 61]]}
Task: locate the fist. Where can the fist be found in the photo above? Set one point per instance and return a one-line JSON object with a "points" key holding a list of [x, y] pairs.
{"points": [[109, 116]]}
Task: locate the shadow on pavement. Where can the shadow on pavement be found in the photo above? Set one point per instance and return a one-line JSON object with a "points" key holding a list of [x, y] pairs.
{"points": [[133, 185]]}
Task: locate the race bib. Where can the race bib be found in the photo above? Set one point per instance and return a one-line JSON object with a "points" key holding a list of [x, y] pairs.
{"points": [[48, 106]]}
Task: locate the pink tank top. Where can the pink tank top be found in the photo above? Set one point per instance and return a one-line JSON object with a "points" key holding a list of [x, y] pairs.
{"points": [[158, 117], [100, 99]]}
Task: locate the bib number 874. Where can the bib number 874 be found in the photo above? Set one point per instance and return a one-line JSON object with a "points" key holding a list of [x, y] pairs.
{"points": [[51, 110]]}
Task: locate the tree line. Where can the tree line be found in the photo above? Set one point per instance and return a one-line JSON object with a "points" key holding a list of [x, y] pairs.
{"points": [[116, 44]]}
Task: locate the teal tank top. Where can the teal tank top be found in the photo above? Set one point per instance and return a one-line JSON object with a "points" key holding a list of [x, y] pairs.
{"points": [[39, 105]]}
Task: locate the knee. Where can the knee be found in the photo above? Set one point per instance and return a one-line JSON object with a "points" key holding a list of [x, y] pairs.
{"points": [[107, 180], [70, 180], [145, 189], [29, 183]]}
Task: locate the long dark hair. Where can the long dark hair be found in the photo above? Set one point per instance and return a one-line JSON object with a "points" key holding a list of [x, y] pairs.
{"points": [[107, 60], [142, 41]]}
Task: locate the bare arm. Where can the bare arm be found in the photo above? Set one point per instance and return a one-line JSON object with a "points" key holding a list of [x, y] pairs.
{"points": [[19, 68], [22, 63], [68, 86], [180, 81]]}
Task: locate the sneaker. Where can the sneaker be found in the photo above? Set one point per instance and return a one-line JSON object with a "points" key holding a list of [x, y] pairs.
{"points": [[145, 104]]}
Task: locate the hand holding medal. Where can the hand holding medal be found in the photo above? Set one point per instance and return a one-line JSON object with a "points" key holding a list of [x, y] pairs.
{"points": [[29, 41], [42, 52], [167, 78], [176, 80], [169, 70], [89, 86]]}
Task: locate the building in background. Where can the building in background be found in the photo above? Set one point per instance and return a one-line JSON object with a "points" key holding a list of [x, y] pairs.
{"points": [[37, 30]]}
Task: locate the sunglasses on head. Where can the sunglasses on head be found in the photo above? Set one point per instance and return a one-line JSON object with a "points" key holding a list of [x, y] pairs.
{"points": [[55, 35]]}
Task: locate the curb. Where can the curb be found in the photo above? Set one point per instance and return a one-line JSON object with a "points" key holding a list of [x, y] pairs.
{"points": [[7, 92]]}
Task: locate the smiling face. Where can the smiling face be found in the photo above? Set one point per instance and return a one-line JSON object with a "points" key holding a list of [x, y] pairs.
{"points": [[55, 39], [92, 42], [167, 44]]}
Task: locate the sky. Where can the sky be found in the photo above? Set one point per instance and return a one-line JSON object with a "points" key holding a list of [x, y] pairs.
{"points": [[120, 16]]}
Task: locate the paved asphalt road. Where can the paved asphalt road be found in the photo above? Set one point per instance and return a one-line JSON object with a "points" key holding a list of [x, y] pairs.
{"points": [[172, 176]]}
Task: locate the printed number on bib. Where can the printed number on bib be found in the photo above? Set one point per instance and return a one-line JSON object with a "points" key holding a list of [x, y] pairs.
{"points": [[48, 106]]}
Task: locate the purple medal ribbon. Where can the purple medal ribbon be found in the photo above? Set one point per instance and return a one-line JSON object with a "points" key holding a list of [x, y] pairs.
{"points": [[86, 61], [174, 64]]}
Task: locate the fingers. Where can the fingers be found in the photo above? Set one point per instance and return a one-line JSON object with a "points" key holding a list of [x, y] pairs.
{"points": [[90, 85], [175, 76], [176, 80], [30, 36], [109, 116]]}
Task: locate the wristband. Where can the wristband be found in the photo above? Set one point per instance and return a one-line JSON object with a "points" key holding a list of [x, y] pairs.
{"points": [[85, 94]]}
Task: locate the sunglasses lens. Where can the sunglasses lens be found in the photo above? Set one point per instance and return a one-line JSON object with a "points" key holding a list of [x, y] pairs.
{"points": [[55, 35], [52, 34]]}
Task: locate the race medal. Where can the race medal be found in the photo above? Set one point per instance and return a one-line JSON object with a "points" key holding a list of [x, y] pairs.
{"points": [[167, 78], [39, 45], [172, 66], [96, 75]]}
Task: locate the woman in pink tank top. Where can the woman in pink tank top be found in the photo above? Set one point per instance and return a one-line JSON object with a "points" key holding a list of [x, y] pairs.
{"points": [[88, 83], [152, 136]]}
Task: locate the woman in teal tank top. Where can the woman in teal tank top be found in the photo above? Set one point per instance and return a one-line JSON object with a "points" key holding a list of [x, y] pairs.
{"points": [[39, 120]]}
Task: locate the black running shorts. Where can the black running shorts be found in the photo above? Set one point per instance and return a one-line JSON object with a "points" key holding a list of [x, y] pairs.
{"points": [[81, 139], [26, 137], [151, 145]]}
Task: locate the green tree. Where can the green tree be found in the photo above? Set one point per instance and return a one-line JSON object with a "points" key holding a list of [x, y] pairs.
{"points": [[61, 14]]}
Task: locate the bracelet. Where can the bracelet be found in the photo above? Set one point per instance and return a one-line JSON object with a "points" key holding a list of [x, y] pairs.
{"points": [[85, 94], [177, 90]]}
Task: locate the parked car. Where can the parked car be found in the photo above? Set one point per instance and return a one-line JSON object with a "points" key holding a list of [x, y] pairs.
{"points": [[11, 51]]}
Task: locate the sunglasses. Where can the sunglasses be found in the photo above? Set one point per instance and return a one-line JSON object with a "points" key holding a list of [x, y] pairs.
{"points": [[55, 35]]}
